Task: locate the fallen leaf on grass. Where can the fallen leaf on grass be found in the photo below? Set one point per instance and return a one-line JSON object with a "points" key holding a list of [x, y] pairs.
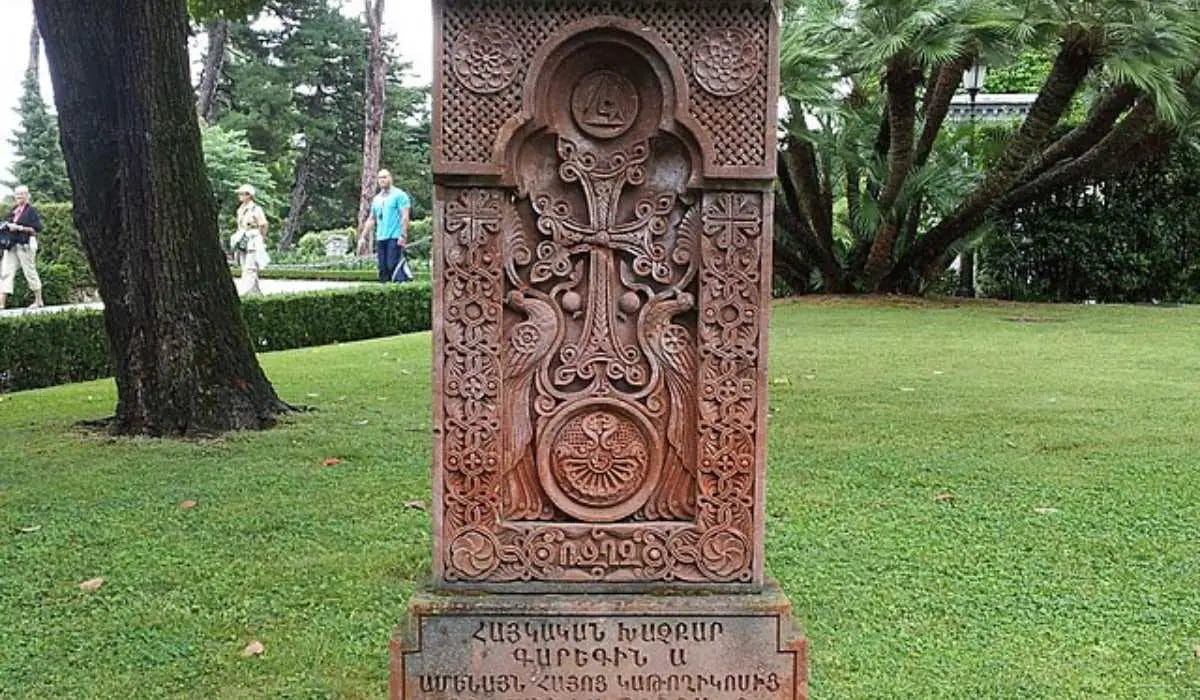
{"points": [[938, 372], [1045, 511], [254, 648], [361, 422], [29, 529], [188, 504], [781, 381], [92, 585], [331, 462], [907, 388], [416, 505], [944, 497], [1198, 651]]}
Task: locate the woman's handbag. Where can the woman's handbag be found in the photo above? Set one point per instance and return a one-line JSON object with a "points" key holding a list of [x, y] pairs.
{"points": [[10, 239]]}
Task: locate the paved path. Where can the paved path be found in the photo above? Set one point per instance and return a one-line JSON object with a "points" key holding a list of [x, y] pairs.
{"points": [[269, 288]]}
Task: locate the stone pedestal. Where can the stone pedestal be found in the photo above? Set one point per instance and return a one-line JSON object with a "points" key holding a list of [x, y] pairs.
{"points": [[599, 647]]}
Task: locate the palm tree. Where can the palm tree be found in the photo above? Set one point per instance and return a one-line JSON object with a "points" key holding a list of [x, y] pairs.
{"points": [[869, 84]]}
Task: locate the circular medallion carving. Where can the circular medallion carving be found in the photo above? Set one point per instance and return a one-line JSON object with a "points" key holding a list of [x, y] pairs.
{"points": [[604, 104], [599, 461], [486, 58], [726, 62]]}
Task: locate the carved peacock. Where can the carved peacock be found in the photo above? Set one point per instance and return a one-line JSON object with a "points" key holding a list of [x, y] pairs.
{"points": [[673, 348], [526, 346]]}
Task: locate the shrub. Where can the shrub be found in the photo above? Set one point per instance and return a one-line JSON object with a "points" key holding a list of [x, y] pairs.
{"points": [[49, 349], [58, 285], [338, 316], [59, 244], [1130, 238]]}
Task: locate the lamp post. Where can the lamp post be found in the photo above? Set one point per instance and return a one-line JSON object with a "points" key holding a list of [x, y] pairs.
{"points": [[973, 80]]}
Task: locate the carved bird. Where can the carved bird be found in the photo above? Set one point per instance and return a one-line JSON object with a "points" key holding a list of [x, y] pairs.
{"points": [[526, 345], [673, 348]]}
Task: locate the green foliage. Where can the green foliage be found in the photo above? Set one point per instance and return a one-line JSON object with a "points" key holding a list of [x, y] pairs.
{"points": [[313, 244], [1061, 563], [48, 349], [320, 318], [1130, 238], [1024, 75], [295, 86], [843, 150], [54, 348], [39, 162], [231, 163], [57, 285], [202, 10], [406, 143]]}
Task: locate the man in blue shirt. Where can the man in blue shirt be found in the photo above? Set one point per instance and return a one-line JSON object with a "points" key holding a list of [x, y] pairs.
{"points": [[389, 220]]}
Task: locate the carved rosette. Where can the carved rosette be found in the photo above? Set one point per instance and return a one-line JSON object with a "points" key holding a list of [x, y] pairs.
{"points": [[486, 58], [726, 62]]}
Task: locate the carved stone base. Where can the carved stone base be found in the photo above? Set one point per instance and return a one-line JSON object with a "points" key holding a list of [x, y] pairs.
{"points": [[599, 647]]}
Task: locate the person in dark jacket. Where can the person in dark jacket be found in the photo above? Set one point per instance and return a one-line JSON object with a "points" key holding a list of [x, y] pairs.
{"points": [[23, 225]]}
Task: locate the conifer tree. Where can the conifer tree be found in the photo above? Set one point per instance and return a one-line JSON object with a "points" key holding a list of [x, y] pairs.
{"points": [[39, 160]]}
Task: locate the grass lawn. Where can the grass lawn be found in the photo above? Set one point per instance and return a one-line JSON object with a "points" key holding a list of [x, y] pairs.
{"points": [[974, 502]]}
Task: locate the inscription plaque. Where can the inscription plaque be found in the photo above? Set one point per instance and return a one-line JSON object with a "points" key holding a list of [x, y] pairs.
{"points": [[604, 197], [610, 650]]}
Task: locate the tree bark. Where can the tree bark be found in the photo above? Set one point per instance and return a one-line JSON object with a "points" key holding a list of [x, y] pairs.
{"points": [[800, 194], [376, 93], [947, 78], [35, 49], [901, 84], [298, 200], [184, 362], [214, 63]]}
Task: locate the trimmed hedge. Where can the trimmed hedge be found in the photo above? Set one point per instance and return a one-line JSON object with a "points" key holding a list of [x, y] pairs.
{"points": [[60, 348]]}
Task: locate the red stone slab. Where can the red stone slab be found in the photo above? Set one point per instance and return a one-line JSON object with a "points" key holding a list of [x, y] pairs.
{"points": [[602, 271]]}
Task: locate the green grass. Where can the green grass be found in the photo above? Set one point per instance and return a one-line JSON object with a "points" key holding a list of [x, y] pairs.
{"points": [[916, 454]]}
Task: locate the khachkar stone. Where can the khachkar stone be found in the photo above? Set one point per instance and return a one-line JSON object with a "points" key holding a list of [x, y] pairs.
{"points": [[604, 200]]}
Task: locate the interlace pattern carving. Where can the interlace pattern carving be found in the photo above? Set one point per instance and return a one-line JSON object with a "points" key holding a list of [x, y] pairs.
{"points": [[736, 125]]}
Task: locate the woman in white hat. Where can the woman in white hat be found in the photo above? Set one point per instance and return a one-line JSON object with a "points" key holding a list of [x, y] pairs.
{"points": [[249, 244]]}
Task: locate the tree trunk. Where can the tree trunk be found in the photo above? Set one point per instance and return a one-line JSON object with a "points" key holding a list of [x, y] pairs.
{"points": [[35, 49], [901, 82], [376, 93], [214, 63], [183, 360], [299, 200]]}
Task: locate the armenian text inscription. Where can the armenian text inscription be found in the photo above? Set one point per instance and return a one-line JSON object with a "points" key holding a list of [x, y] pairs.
{"points": [[631, 657]]}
